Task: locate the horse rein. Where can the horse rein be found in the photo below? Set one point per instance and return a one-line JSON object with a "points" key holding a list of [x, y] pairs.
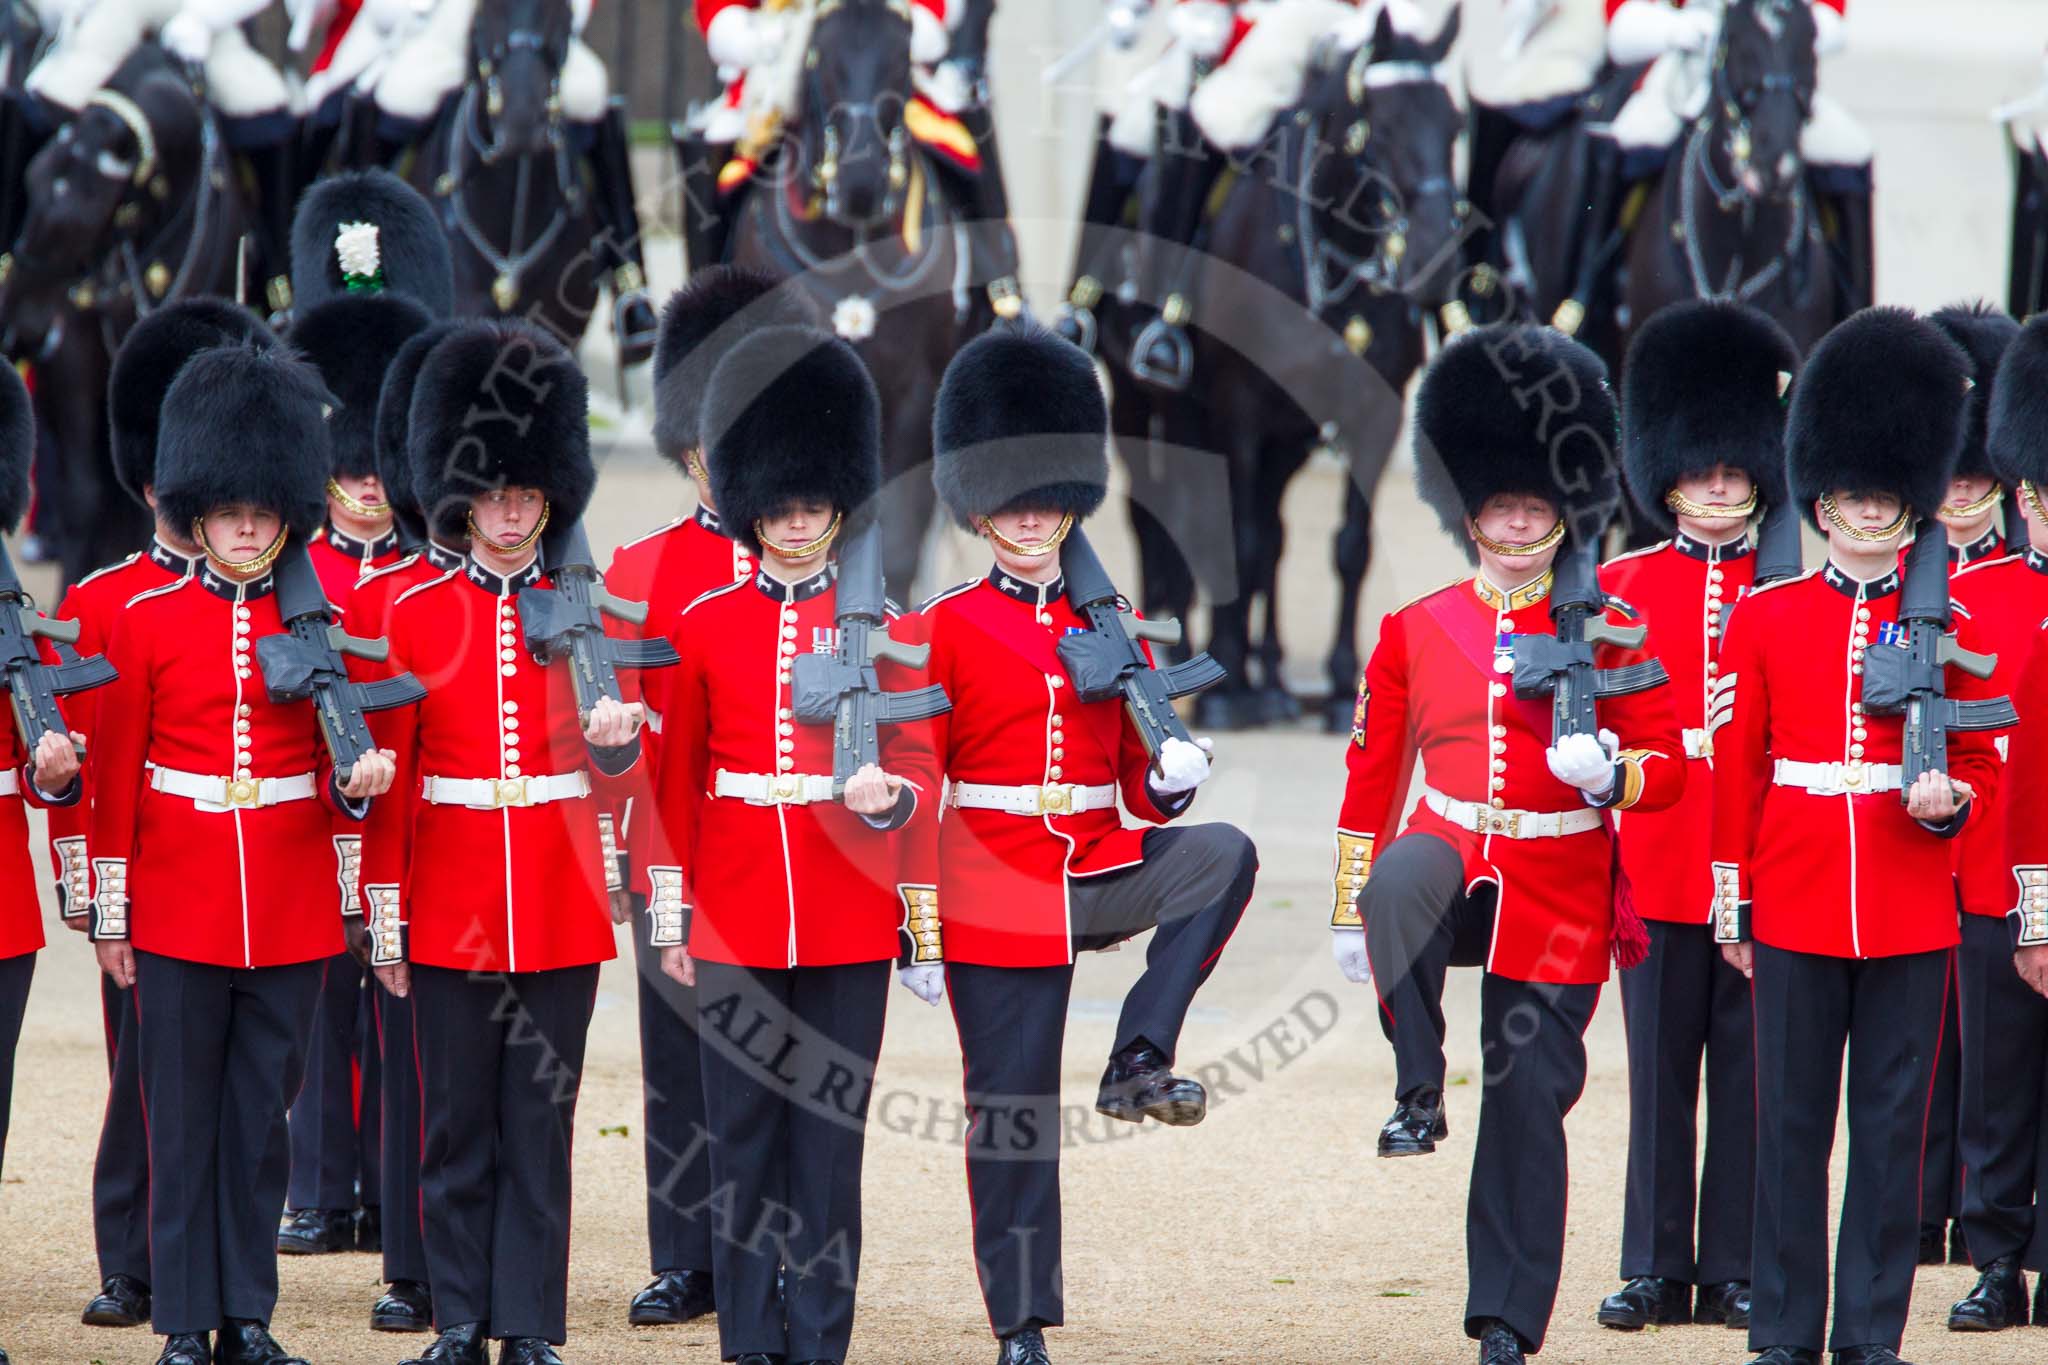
{"points": [[825, 173]]}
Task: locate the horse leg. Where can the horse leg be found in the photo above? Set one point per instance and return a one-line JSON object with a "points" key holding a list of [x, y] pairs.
{"points": [[1353, 548], [1234, 704], [907, 495], [1276, 467]]}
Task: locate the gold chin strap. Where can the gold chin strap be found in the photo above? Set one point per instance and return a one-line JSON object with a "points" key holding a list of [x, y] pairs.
{"points": [[241, 573], [1971, 509], [524, 545], [1507, 551], [355, 506], [1841, 523], [1707, 511], [693, 465], [2032, 497], [1038, 551], [810, 551]]}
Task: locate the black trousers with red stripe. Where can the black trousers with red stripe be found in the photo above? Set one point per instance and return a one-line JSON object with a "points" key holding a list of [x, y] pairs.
{"points": [[501, 1065], [677, 1140], [120, 1169], [2005, 1099], [1886, 1012], [1941, 1158], [223, 1049], [334, 1122], [1194, 885], [405, 1247], [15, 975]]}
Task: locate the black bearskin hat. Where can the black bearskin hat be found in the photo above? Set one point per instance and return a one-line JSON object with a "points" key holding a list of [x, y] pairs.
{"points": [[2018, 426], [499, 404], [1983, 332], [17, 447], [352, 339], [149, 359], [245, 423], [701, 323], [1020, 422], [412, 250], [791, 413], [1880, 407], [1704, 386], [394, 422], [1514, 408]]}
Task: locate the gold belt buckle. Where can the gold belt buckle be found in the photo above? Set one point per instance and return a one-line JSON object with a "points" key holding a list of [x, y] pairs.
{"points": [[1056, 799], [1852, 775], [1505, 822], [243, 791], [509, 791], [785, 787]]}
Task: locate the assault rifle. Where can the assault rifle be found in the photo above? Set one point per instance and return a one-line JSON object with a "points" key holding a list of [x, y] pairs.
{"points": [[842, 689], [1106, 660], [32, 685], [1561, 666], [566, 621], [305, 664], [1906, 676]]}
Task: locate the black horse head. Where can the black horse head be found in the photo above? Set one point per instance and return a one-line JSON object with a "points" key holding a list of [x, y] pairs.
{"points": [[112, 175], [1386, 130], [856, 83], [1764, 73], [518, 48]]}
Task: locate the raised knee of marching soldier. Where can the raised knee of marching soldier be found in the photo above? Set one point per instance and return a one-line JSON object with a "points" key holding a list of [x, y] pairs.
{"points": [[585, 84]]}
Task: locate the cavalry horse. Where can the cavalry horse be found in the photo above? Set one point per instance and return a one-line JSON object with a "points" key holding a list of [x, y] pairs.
{"points": [[847, 204], [130, 205], [500, 169], [1338, 234]]}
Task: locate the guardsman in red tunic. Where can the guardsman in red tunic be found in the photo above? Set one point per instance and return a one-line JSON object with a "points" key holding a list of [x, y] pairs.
{"points": [[212, 841], [1031, 865], [1834, 881], [782, 905], [668, 570], [392, 261], [149, 359], [47, 778], [1507, 862], [1703, 430], [485, 895], [2004, 1023]]}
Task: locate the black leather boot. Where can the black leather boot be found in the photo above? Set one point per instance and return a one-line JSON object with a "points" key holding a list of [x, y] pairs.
{"points": [[527, 1351], [617, 246], [705, 225], [1869, 1355], [187, 1348], [1171, 198], [1112, 178], [404, 1307], [1480, 287], [1498, 1343], [242, 1341], [1645, 1301], [1726, 1304], [316, 1232], [1603, 196], [1139, 1084], [274, 168], [123, 1301], [465, 1343], [1998, 1301], [1787, 1355], [672, 1297], [1023, 1348], [1416, 1126]]}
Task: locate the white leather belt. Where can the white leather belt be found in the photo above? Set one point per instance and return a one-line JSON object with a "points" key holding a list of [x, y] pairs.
{"points": [[1511, 824], [498, 793], [231, 793], [1057, 798], [1699, 743], [773, 789], [1838, 779]]}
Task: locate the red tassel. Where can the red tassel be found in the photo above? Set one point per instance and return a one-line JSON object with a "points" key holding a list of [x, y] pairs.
{"points": [[1631, 937]]}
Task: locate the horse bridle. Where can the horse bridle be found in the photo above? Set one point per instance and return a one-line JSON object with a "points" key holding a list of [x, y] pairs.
{"points": [[825, 174], [487, 65]]}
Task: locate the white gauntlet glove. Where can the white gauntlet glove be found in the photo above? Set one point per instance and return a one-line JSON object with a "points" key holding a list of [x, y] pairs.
{"points": [[1182, 766], [1201, 26], [187, 38], [1584, 762], [740, 39], [1349, 946], [926, 982]]}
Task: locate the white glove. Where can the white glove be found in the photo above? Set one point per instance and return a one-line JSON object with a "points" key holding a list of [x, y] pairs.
{"points": [[187, 38], [1349, 946], [929, 41], [1182, 766], [927, 983], [1829, 31], [947, 87], [1203, 27], [222, 15], [1126, 21], [1696, 30], [1584, 762], [742, 39]]}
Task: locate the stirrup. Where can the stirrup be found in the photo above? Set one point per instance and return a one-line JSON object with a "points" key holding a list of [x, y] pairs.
{"points": [[1175, 375], [1076, 324]]}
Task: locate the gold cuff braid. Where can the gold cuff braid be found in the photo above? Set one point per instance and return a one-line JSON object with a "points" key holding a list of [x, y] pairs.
{"points": [[921, 922], [1354, 865]]}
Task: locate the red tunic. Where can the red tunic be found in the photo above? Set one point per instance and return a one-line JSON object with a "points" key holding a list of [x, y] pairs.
{"points": [[516, 888], [240, 886], [21, 916], [95, 602], [1847, 875], [2025, 857], [1434, 691], [771, 885], [1003, 878], [667, 570], [342, 561], [1678, 587], [2007, 600]]}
